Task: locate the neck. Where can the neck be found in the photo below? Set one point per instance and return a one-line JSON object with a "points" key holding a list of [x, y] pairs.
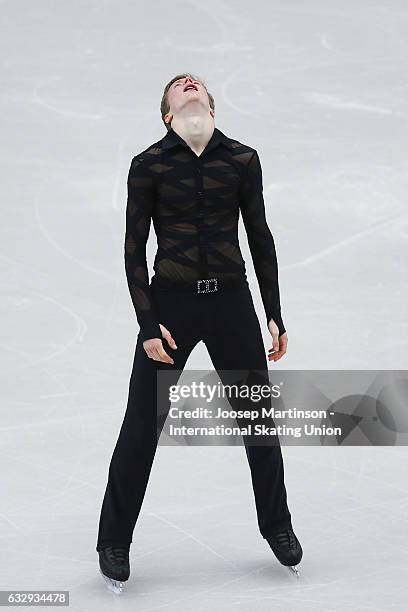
{"points": [[196, 130]]}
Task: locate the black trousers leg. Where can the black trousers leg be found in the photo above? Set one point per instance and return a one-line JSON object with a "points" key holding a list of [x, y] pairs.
{"points": [[234, 341], [136, 446]]}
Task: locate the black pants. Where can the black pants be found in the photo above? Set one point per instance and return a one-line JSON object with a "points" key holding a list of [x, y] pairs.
{"points": [[227, 323]]}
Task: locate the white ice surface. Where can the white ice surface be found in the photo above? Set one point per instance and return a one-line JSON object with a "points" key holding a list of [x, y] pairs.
{"points": [[319, 87]]}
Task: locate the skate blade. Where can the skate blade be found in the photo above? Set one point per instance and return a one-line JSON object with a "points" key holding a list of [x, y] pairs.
{"points": [[295, 570], [116, 586]]}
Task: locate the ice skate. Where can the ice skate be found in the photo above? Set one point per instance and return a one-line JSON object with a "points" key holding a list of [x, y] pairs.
{"points": [[114, 567], [286, 548]]}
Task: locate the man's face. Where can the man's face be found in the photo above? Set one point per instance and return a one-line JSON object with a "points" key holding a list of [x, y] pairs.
{"points": [[185, 91]]}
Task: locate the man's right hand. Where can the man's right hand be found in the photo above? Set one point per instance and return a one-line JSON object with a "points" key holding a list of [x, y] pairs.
{"points": [[154, 346]]}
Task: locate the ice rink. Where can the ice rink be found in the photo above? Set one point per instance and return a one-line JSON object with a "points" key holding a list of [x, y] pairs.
{"points": [[319, 88]]}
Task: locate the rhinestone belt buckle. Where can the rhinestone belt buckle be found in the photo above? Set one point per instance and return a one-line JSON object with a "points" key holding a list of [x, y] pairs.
{"points": [[207, 282]]}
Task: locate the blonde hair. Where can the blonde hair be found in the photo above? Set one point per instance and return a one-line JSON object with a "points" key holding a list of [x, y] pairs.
{"points": [[164, 105]]}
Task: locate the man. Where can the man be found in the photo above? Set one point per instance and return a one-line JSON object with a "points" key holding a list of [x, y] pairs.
{"points": [[192, 184]]}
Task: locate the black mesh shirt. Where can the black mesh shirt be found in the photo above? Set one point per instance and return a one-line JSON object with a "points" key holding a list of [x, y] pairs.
{"points": [[194, 203]]}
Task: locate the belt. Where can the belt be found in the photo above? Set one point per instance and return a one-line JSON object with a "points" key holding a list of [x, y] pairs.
{"points": [[202, 285]]}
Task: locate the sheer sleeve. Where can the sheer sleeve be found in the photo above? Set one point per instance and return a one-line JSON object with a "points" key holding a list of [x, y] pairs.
{"points": [[260, 240], [139, 207]]}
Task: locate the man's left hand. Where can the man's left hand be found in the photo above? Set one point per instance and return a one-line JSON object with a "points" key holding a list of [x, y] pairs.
{"points": [[280, 343]]}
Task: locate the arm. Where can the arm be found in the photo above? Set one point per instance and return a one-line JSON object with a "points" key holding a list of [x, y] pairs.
{"points": [[140, 201], [260, 240]]}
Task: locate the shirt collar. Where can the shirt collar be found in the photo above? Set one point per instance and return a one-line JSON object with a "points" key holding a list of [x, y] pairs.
{"points": [[172, 139]]}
